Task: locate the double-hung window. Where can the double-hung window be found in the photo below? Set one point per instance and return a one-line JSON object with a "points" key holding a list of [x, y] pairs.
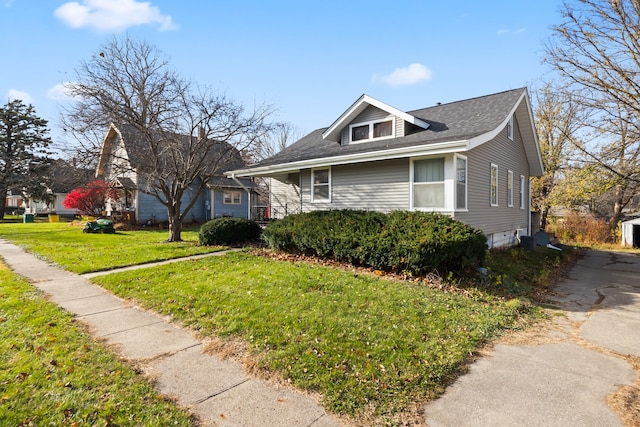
{"points": [[231, 198], [321, 185], [428, 183], [494, 185], [522, 192], [510, 188], [461, 182], [371, 130], [510, 128]]}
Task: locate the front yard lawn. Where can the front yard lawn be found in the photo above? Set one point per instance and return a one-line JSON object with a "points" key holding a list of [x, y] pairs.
{"points": [[66, 245], [366, 344], [52, 373], [376, 349]]}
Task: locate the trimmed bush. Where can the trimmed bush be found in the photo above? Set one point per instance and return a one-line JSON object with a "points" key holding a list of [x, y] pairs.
{"points": [[228, 231], [401, 241]]}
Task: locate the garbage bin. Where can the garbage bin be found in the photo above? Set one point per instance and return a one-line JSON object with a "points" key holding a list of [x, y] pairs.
{"points": [[27, 217], [54, 218]]}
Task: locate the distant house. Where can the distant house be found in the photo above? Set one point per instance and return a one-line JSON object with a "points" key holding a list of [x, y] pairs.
{"points": [[63, 177], [470, 159], [121, 156]]}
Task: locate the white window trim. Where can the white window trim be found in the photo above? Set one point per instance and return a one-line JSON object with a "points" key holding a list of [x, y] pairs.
{"points": [[522, 191], [232, 192], [370, 124], [510, 188], [510, 128], [455, 183], [313, 199], [497, 201]]}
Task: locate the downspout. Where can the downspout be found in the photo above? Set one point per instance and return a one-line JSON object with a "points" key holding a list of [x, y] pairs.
{"points": [[233, 176]]}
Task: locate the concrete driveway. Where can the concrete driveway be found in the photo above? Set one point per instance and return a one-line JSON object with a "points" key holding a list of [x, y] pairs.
{"points": [[575, 371]]}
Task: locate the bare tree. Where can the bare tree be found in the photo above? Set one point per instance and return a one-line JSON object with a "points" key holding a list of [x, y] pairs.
{"points": [[597, 50], [187, 134], [558, 118]]}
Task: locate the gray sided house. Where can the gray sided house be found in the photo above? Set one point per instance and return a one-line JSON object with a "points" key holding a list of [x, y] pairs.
{"points": [[121, 156], [470, 159]]}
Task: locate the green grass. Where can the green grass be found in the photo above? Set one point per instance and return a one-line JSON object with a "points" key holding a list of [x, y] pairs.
{"points": [[52, 373], [361, 341], [374, 348], [66, 245]]}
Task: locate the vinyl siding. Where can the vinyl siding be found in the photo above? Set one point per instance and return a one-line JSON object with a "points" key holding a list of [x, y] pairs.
{"points": [[220, 209], [498, 222], [284, 197], [381, 186]]}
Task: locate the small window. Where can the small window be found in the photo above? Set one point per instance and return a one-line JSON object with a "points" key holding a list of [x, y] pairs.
{"points": [[510, 128], [428, 183], [358, 133], [372, 130], [321, 185], [382, 129], [522, 191], [494, 184], [461, 182], [510, 188], [232, 197]]}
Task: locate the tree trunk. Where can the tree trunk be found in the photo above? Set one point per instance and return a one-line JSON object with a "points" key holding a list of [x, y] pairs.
{"points": [[3, 202], [175, 224], [618, 205], [544, 213]]}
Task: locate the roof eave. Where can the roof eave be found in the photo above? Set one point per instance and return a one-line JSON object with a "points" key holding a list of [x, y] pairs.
{"points": [[421, 150]]}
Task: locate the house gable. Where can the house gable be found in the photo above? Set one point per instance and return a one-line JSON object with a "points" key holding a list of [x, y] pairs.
{"points": [[366, 109]]}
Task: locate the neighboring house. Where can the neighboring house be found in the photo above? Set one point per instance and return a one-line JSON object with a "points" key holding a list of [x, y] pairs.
{"points": [[123, 153], [471, 159], [62, 178]]}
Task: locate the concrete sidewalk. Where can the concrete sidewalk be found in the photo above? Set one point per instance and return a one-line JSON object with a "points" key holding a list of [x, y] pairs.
{"points": [[563, 375], [219, 392]]}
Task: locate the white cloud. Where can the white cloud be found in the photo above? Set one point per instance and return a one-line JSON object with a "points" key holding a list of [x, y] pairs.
{"points": [[414, 73], [60, 92], [112, 15], [14, 94]]}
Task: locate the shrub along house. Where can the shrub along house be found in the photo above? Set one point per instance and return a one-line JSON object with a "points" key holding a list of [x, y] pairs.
{"points": [[123, 152], [470, 159]]}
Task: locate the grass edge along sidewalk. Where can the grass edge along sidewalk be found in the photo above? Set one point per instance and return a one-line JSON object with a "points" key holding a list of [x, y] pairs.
{"points": [[343, 330], [53, 373]]}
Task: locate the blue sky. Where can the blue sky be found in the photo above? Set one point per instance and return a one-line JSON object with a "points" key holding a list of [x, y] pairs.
{"points": [[309, 60]]}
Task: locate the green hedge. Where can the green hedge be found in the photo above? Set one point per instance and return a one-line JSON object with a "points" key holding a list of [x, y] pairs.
{"points": [[401, 241], [228, 231]]}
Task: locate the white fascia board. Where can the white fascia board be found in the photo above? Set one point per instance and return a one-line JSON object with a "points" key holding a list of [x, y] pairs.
{"points": [[415, 151], [332, 132]]}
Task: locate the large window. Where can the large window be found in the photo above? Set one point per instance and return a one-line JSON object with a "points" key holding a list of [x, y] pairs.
{"points": [[510, 188], [371, 130], [321, 185], [494, 184], [428, 183], [231, 198], [461, 182]]}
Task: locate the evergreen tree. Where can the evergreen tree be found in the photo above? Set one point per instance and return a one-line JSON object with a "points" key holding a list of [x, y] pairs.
{"points": [[24, 155]]}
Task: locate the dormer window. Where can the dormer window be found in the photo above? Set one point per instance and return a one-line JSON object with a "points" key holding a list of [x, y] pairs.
{"points": [[371, 130]]}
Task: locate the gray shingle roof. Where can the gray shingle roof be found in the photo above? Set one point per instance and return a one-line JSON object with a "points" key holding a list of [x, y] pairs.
{"points": [[456, 121]]}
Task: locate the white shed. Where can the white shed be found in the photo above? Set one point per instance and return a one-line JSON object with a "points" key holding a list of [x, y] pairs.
{"points": [[631, 233]]}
